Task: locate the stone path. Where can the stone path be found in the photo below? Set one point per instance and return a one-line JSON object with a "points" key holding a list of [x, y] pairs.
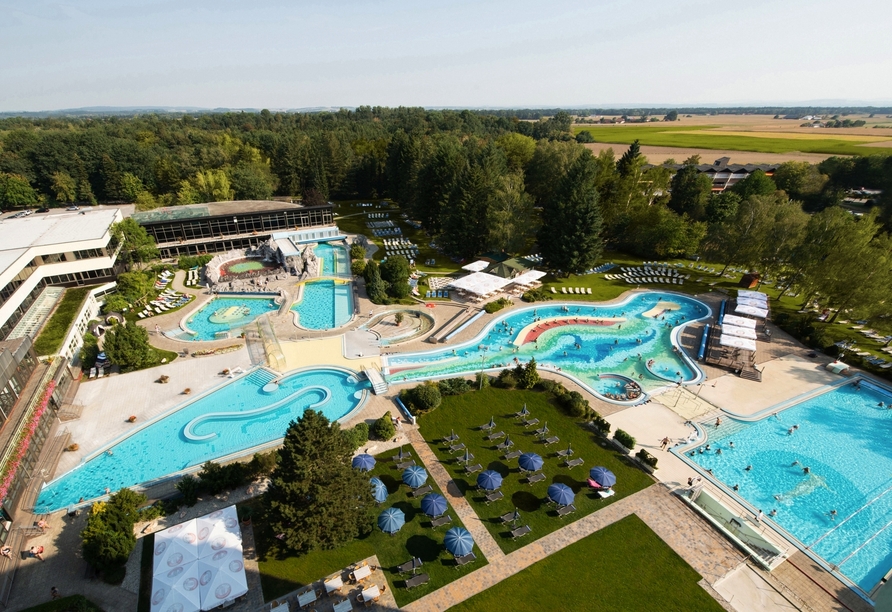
{"points": [[460, 505]]}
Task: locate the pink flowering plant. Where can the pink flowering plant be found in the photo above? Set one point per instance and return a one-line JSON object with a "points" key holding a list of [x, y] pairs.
{"points": [[7, 475]]}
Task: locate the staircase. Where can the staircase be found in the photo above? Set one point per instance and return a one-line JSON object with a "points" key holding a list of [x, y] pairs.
{"points": [[379, 385], [750, 372]]}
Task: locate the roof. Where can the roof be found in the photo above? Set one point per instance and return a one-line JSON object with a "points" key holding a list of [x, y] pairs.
{"points": [[480, 283], [27, 232], [510, 267], [724, 164], [212, 209], [528, 278], [478, 266]]}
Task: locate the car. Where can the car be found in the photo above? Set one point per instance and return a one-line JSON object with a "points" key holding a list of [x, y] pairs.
{"points": [[73, 208], [43, 210]]}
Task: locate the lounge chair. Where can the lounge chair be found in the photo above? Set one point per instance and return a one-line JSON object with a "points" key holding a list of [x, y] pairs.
{"points": [[440, 521], [530, 423], [495, 496], [418, 580], [563, 290], [473, 468], [405, 464], [488, 427], [422, 491], [541, 431], [402, 456], [495, 436], [505, 445], [588, 290], [513, 455], [572, 463], [534, 478], [467, 458], [465, 559], [565, 510], [508, 517], [93, 371], [520, 531], [553, 290], [552, 440], [457, 447]]}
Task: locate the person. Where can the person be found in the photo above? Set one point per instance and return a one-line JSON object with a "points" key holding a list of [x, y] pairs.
{"points": [[664, 443], [759, 517], [881, 404], [795, 463], [6, 551], [749, 468], [790, 432], [718, 422], [42, 524], [731, 444], [718, 451], [806, 470], [833, 514], [691, 481], [37, 551], [54, 593], [773, 512], [736, 487]]}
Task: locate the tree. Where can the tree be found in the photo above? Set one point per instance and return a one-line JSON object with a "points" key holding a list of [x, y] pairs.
{"points": [[395, 272], [375, 287], [527, 376], [671, 116], [64, 187], [584, 137], [138, 247], [357, 251], [722, 206], [128, 347], [570, 238], [384, 428], [212, 186], [399, 317], [108, 539], [519, 149], [510, 215], [130, 187], [758, 183], [690, 190], [316, 500], [252, 181], [629, 160], [16, 192]]}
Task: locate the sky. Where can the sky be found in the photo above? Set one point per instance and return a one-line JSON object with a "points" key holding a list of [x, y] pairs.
{"points": [[282, 54]]}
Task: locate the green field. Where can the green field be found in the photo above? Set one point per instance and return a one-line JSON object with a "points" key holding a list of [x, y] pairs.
{"points": [[465, 413], [624, 567], [416, 539], [707, 137]]}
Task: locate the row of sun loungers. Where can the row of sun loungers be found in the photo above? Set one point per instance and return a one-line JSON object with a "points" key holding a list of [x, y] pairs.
{"points": [[97, 372], [193, 278], [168, 300], [574, 290], [437, 294]]}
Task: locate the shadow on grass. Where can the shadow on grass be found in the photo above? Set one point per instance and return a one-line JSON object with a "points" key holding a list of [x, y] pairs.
{"points": [[424, 547], [391, 482], [570, 482], [500, 467], [408, 509], [526, 501]]}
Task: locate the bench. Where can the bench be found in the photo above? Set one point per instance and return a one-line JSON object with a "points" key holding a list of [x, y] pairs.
{"points": [[422, 491], [418, 580], [439, 522], [473, 468], [494, 497], [572, 463], [465, 559], [533, 479], [565, 510], [513, 455], [520, 531]]}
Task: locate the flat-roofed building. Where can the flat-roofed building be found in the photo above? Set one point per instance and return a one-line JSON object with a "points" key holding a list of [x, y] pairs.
{"points": [[67, 249], [724, 174], [215, 227]]}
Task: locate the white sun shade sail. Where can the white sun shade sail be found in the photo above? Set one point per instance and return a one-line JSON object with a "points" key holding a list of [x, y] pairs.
{"points": [[480, 283], [740, 332], [752, 311], [730, 319], [756, 295], [175, 547], [477, 266], [220, 525], [752, 302], [176, 589], [528, 278], [221, 577], [741, 343]]}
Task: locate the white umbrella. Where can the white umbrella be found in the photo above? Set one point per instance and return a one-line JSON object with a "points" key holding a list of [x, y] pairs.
{"points": [[730, 319], [221, 578], [760, 313], [175, 547], [740, 332], [752, 302], [211, 527], [176, 589], [741, 343]]}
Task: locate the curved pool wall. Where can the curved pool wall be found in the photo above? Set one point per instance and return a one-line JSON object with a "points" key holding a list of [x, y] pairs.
{"points": [[197, 326], [410, 333], [323, 304], [605, 349], [843, 439], [335, 260], [208, 428]]}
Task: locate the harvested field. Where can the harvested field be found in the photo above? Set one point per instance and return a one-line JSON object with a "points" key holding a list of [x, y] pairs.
{"points": [[657, 155]]}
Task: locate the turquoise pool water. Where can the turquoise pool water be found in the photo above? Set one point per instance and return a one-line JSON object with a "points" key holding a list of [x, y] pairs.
{"points": [[324, 304], [335, 260], [843, 438], [233, 418], [579, 348], [205, 329]]}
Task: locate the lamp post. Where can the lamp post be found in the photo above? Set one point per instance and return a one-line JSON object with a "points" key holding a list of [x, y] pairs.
{"points": [[482, 366]]}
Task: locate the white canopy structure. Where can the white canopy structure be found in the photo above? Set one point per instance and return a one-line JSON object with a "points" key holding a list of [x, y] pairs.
{"points": [[528, 278], [753, 302], [480, 283], [740, 332], [757, 295], [477, 266], [741, 343], [198, 565], [730, 319], [752, 311]]}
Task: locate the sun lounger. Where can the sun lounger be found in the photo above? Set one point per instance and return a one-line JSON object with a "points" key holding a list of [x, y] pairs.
{"points": [[457, 447], [505, 445], [495, 436], [401, 457], [520, 531], [605, 493], [101, 372], [93, 372], [534, 478], [422, 491], [572, 463], [409, 566], [553, 290], [488, 427], [440, 521], [451, 438], [552, 440], [418, 580], [465, 559], [564, 452], [565, 510], [530, 423], [563, 290], [473, 468], [141, 315], [513, 455], [508, 517], [405, 464], [541, 431], [465, 458], [495, 496], [588, 290]]}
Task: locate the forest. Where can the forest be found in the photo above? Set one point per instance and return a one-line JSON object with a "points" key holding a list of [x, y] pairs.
{"points": [[477, 182]]}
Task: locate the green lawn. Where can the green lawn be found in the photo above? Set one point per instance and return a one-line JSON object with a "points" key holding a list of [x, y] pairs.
{"points": [[624, 567], [708, 138], [465, 413], [66, 604], [416, 538], [53, 333]]}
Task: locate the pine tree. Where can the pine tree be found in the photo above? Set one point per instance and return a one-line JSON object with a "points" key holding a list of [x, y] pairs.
{"points": [[627, 162], [316, 499]]}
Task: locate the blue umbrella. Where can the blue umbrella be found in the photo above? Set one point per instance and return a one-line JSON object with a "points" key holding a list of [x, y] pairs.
{"points": [[560, 494], [364, 462], [602, 476], [458, 541], [414, 476], [530, 462], [391, 520], [489, 480], [379, 490], [433, 504]]}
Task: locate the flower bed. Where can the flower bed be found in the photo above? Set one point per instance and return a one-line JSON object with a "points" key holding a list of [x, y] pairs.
{"points": [[7, 475]]}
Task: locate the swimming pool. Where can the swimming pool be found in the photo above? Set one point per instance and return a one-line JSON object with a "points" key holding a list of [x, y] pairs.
{"points": [[335, 260], [583, 341], [228, 420], [324, 304], [224, 315], [842, 436]]}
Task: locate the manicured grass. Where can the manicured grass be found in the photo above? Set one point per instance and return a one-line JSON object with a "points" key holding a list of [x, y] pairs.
{"points": [[624, 567], [71, 603], [53, 333], [281, 576], [706, 137], [144, 601], [465, 413]]}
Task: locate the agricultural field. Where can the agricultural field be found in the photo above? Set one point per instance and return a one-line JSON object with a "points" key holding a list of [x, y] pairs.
{"points": [[779, 138]]}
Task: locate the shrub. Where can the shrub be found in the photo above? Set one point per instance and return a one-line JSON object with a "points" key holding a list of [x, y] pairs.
{"points": [[215, 478], [107, 540], [358, 267], [54, 331], [454, 386], [483, 380], [601, 424], [358, 435], [575, 404], [263, 464], [357, 252], [624, 438], [536, 295], [190, 261], [422, 398], [384, 428], [507, 379], [527, 376], [552, 386], [497, 305], [646, 458]]}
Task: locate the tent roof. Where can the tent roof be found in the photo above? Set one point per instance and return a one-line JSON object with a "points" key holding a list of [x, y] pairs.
{"points": [[478, 266], [760, 313], [746, 293], [753, 302], [176, 589], [730, 319], [527, 278], [221, 578], [480, 283], [741, 343], [740, 332], [510, 267]]}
